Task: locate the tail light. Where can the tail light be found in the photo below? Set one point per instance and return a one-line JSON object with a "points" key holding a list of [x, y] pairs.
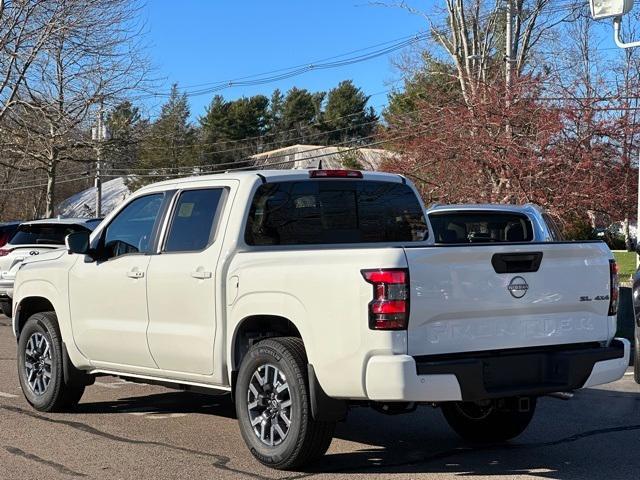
{"points": [[389, 309], [335, 174], [4, 252], [614, 284]]}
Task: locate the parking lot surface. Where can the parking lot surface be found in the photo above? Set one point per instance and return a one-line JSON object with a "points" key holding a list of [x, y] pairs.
{"points": [[124, 430]]}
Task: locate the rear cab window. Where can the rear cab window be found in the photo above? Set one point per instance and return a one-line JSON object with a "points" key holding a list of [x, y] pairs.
{"points": [[459, 227], [43, 234], [324, 211]]}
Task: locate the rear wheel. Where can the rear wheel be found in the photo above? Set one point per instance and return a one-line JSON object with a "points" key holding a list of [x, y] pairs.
{"points": [[273, 405], [636, 355], [497, 421], [42, 362]]}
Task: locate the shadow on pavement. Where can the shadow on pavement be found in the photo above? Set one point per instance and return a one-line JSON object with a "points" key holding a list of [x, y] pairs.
{"points": [[164, 403], [593, 436]]}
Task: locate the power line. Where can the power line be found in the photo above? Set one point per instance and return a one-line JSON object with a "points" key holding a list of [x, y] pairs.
{"points": [[286, 73], [381, 49]]}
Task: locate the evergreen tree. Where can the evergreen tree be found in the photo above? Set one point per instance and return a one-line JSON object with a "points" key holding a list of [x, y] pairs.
{"points": [[435, 82], [274, 120], [169, 145], [301, 115], [346, 111], [126, 128], [229, 129]]}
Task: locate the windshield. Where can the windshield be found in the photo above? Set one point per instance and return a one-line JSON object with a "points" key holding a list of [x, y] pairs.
{"points": [[44, 234], [480, 227]]}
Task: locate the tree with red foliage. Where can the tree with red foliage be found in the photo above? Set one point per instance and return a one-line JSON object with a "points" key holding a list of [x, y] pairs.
{"points": [[520, 151]]}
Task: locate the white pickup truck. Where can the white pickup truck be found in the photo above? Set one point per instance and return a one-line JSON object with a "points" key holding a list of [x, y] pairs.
{"points": [[305, 292]]}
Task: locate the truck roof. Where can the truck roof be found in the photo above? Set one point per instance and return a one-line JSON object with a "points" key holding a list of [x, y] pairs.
{"points": [[62, 221], [497, 207], [268, 175]]}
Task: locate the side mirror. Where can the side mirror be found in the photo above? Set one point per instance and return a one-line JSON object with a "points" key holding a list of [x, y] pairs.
{"points": [[77, 242]]}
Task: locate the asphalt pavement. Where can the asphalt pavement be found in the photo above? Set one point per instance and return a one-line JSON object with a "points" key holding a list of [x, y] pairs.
{"points": [[124, 430]]}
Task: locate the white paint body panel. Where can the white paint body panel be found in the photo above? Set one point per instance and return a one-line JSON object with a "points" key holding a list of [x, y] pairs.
{"points": [[460, 304], [187, 332]]}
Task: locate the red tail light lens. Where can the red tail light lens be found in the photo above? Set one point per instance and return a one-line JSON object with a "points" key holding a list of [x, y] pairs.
{"points": [[4, 252], [389, 309], [335, 174], [614, 291]]}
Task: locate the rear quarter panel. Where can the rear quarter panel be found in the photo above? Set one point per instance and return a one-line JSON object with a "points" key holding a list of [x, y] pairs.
{"points": [[324, 294]]}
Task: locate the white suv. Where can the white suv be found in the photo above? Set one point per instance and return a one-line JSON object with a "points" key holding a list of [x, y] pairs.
{"points": [[33, 238]]}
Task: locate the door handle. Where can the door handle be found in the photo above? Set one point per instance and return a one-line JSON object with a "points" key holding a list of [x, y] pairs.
{"points": [[135, 274], [201, 274]]}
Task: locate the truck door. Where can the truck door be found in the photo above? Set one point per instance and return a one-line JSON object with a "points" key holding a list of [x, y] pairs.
{"points": [[182, 282], [108, 297]]}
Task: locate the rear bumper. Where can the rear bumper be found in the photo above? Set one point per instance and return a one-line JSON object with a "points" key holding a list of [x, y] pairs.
{"points": [[496, 374]]}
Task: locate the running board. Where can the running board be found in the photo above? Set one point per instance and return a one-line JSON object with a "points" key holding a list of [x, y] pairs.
{"points": [[166, 382]]}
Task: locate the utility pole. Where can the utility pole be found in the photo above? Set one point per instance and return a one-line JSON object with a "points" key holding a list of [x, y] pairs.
{"points": [[99, 135]]}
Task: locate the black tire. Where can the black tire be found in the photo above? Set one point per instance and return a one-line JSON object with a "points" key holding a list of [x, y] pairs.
{"points": [[500, 421], [58, 394], [6, 306], [306, 438], [636, 356]]}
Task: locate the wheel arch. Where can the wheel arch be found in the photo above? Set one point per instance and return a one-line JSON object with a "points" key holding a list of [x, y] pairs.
{"points": [[256, 327], [27, 307]]}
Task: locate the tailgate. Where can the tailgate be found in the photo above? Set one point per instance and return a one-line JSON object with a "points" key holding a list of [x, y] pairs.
{"points": [[460, 303]]}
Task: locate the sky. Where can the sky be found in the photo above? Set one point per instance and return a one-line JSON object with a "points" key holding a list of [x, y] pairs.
{"points": [[200, 41]]}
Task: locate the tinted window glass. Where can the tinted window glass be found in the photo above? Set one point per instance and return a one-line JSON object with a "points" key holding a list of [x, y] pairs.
{"points": [[131, 230], [44, 234], [556, 234], [193, 220], [480, 227], [334, 211], [6, 232]]}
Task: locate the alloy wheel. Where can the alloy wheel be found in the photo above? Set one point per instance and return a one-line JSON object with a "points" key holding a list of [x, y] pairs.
{"points": [[37, 363], [269, 404]]}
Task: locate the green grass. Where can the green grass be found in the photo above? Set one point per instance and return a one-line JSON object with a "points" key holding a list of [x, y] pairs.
{"points": [[626, 264]]}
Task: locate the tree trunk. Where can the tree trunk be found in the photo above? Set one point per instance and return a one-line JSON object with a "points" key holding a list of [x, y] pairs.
{"points": [[51, 183]]}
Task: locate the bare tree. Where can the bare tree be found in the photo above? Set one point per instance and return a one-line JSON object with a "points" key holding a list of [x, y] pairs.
{"points": [[472, 35], [93, 58], [25, 29]]}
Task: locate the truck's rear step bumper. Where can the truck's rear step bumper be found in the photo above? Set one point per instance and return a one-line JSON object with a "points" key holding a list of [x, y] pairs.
{"points": [[510, 373], [495, 374]]}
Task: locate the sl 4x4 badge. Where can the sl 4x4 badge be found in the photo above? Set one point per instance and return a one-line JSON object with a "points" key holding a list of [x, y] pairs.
{"points": [[518, 287], [587, 298]]}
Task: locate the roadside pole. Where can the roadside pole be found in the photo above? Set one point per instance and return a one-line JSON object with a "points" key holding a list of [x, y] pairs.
{"points": [[99, 134]]}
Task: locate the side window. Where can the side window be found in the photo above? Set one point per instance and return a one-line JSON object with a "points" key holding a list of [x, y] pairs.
{"points": [[132, 229], [556, 233], [194, 220]]}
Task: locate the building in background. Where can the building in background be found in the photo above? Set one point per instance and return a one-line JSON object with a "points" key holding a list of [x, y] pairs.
{"points": [[83, 204], [300, 157]]}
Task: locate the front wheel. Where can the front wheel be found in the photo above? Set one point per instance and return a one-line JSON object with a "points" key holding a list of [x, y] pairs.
{"points": [[273, 405], [497, 421], [41, 366]]}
